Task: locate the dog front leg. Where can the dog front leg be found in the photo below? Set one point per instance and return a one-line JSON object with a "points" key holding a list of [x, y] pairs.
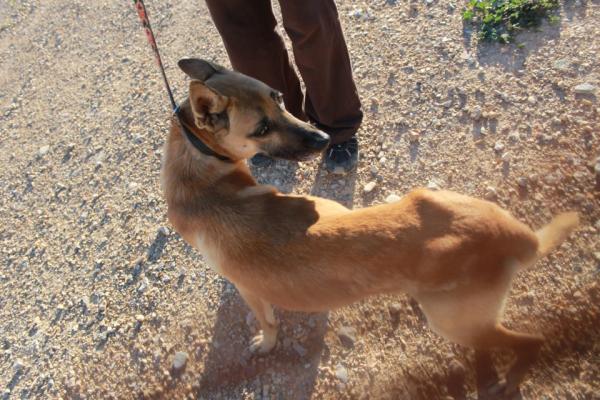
{"points": [[267, 337]]}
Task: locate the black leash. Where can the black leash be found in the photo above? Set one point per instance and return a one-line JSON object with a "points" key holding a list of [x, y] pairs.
{"points": [[193, 139]]}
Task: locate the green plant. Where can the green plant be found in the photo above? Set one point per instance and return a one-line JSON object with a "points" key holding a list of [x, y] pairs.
{"points": [[499, 20]]}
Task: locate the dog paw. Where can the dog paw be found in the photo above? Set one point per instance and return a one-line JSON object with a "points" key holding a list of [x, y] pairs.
{"points": [[262, 343]]}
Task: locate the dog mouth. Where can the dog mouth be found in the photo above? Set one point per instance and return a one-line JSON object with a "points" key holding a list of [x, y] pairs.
{"points": [[296, 156]]}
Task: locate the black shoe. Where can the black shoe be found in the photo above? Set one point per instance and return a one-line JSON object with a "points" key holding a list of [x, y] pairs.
{"points": [[261, 161], [342, 158]]}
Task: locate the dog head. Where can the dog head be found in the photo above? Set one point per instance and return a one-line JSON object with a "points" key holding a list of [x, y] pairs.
{"points": [[245, 116]]}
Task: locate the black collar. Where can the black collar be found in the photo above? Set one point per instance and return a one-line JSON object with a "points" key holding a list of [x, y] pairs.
{"points": [[196, 142]]}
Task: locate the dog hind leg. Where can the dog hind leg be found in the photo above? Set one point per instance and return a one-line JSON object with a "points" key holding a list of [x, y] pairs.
{"points": [[471, 319]]}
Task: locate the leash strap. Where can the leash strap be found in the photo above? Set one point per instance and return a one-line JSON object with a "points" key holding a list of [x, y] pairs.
{"points": [[194, 140], [141, 10]]}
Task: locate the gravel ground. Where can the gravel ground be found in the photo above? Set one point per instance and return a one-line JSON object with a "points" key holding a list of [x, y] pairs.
{"points": [[100, 299]]}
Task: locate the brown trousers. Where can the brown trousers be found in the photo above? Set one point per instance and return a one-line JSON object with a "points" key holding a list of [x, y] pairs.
{"points": [[255, 49]]}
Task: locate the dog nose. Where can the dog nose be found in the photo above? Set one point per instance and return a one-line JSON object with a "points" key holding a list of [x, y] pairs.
{"points": [[318, 140]]}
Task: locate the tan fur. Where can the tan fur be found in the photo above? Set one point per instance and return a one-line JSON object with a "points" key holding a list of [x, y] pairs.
{"points": [[456, 255]]}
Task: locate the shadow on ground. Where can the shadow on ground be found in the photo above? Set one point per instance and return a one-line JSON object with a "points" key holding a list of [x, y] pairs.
{"points": [[229, 364]]}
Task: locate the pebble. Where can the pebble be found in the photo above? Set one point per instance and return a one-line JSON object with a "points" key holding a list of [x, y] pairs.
{"points": [[43, 151], [522, 182], [476, 113], [298, 348], [359, 13], [395, 309], [562, 64], [374, 169], [491, 193], [498, 147], [163, 231], [413, 137], [179, 360], [392, 198], [347, 335], [584, 88], [531, 100], [368, 188], [250, 319], [18, 367], [139, 318], [433, 185], [341, 373]]}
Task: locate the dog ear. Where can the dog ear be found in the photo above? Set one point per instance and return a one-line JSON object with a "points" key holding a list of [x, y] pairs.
{"points": [[199, 69], [207, 106]]}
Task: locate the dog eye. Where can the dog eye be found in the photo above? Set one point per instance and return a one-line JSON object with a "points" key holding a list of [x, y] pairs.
{"points": [[262, 130]]}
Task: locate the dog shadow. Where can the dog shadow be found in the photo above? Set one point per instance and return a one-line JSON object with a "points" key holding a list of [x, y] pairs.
{"points": [[292, 365], [281, 174], [335, 187]]}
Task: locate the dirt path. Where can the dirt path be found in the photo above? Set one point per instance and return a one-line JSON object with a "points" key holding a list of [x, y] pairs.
{"points": [[97, 295]]}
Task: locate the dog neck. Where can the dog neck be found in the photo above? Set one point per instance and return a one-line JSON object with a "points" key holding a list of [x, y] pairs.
{"points": [[188, 175], [200, 139]]}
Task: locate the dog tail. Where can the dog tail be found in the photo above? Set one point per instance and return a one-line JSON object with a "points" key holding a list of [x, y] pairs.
{"points": [[553, 234]]}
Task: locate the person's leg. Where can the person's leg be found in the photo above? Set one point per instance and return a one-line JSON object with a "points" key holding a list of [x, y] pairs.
{"points": [[254, 47], [321, 55]]}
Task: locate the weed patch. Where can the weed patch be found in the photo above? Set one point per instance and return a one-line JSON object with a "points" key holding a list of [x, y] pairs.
{"points": [[500, 20]]}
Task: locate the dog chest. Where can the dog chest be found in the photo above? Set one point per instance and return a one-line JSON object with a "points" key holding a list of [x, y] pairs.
{"points": [[209, 250]]}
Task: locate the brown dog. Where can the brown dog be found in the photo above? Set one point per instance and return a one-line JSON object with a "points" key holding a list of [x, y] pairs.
{"points": [[454, 254]]}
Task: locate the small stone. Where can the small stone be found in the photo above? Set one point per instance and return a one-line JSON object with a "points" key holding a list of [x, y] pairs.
{"points": [[143, 286], [433, 185], [392, 198], [139, 318], [368, 188], [179, 361], [505, 157], [522, 182], [374, 169], [491, 193], [562, 64], [250, 320], [18, 367], [163, 231], [43, 151], [498, 147], [413, 137], [584, 88], [341, 373], [347, 335], [513, 137], [476, 113], [531, 100], [298, 348], [545, 139], [597, 255], [395, 309]]}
